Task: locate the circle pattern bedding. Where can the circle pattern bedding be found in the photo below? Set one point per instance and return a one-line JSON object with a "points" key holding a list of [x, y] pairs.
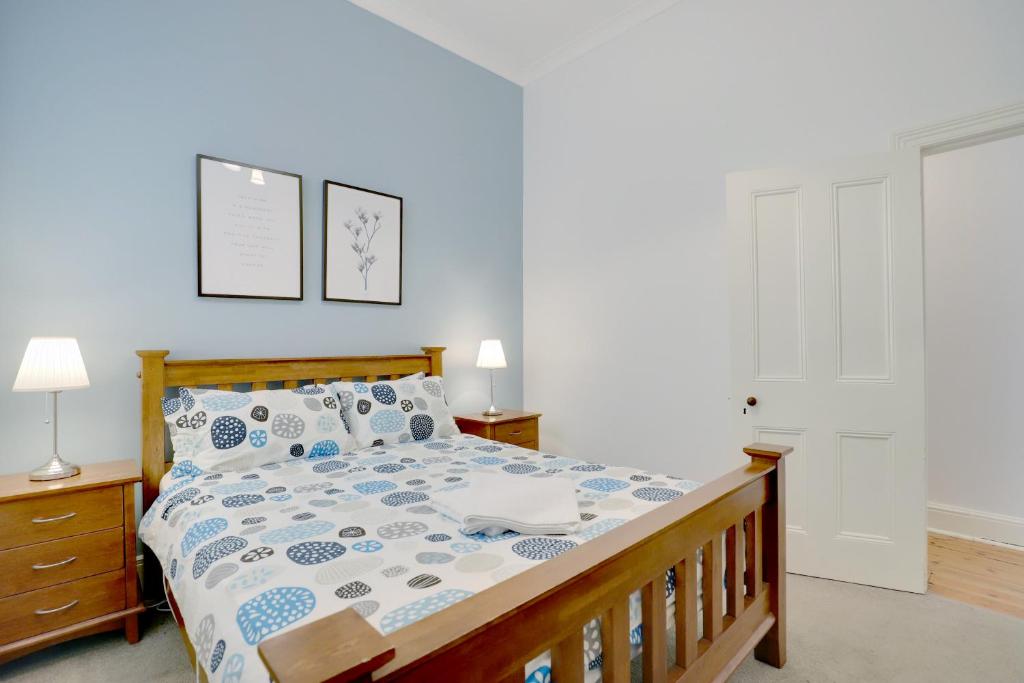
{"points": [[251, 553]]}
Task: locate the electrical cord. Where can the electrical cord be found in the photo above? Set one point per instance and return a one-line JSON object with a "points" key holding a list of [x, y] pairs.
{"points": [[166, 601]]}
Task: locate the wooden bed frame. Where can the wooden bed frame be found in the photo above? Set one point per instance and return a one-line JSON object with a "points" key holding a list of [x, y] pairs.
{"points": [[493, 634]]}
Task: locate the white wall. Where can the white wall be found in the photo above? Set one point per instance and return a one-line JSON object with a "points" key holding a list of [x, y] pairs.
{"points": [[626, 342], [974, 238]]}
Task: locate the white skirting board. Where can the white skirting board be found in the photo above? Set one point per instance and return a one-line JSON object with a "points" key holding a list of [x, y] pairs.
{"points": [[986, 526]]}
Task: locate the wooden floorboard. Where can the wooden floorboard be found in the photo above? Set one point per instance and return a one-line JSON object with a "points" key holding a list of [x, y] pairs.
{"points": [[977, 573]]}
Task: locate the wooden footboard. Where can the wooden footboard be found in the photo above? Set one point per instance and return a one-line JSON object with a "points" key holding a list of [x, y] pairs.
{"points": [[737, 520]]}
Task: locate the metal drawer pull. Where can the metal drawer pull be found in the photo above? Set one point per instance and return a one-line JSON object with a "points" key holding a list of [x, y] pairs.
{"points": [[55, 564], [515, 433], [44, 520], [57, 609]]}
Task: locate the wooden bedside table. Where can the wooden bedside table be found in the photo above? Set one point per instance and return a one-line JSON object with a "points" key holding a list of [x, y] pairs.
{"points": [[512, 426], [67, 557]]}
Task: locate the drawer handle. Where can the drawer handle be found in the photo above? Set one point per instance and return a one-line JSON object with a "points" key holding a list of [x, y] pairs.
{"points": [[515, 433], [71, 604], [44, 520], [55, 564]]}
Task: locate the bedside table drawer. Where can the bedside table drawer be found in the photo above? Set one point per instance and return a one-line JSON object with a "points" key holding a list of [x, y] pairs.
{"points": [[46, 564], [520, 432], [46, 609], [475, 428], [36, 520]]}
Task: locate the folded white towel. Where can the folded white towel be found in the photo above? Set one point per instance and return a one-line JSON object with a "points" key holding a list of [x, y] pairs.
{"points": [[493, 503]]}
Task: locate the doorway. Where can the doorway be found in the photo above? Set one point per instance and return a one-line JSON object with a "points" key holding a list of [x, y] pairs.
{"points": [[828, 346], [974, 329]]}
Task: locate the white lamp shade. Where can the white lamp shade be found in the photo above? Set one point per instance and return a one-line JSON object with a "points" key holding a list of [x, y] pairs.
{"points": [[491, 355], [51, 364]]}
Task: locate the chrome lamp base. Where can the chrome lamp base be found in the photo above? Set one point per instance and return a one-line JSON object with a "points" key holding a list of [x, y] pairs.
{"points": [[55, 469], [492, 411]]}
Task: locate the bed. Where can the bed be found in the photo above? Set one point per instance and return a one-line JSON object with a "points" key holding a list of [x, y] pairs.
{"points": [[338, 569]]}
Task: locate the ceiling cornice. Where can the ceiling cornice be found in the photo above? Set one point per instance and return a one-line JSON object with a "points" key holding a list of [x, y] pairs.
{"points": [[468, 48], [606, 31], [454, 41]]}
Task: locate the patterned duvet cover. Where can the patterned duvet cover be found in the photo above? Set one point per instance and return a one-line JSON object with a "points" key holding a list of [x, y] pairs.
{"points": [[250, 554]]}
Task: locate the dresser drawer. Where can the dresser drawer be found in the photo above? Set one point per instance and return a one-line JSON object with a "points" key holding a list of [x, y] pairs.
{"points": [[523, 431], [46, 609], [46, 564], [46, 518]]}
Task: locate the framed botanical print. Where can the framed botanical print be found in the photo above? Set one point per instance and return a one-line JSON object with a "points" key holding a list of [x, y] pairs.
{"points": [[249, 223], [362, 245]]}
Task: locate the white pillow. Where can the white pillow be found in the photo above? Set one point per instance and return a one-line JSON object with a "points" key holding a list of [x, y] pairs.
{"points": [[395, 411], [229, 430]]}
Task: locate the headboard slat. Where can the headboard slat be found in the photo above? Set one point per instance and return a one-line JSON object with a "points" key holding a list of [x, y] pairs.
{"points": [[158, 374], [196, 373]]}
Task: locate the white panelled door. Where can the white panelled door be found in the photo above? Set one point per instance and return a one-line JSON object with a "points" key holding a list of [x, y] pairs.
{"points": [[828, 337]]}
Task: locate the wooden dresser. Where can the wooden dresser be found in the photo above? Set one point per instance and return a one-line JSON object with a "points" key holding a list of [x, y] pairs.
{"points": [[512, 426], [67, 557]]}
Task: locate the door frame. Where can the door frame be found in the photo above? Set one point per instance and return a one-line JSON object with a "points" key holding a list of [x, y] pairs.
{"points": [[963, 131], [948, 135]]}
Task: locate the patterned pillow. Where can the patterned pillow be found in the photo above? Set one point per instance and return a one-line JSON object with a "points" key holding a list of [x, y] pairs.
{"points": [[229, 430], [395, 411]]}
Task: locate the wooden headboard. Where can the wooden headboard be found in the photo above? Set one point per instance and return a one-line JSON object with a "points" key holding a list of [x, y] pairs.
{"points": [[158, 374]]}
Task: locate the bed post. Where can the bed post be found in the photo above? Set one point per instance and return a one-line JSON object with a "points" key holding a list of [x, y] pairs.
{"points": [[341, 648], [435, 358], [772, 648], [153, 468], [152, 376]]}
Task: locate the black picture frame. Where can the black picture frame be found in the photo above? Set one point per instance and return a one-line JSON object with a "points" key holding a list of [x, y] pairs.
{"points": [[326, 242], [199, 231]]}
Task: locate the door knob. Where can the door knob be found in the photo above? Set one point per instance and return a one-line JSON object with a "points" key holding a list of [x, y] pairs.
{"points": [[751, 401]]}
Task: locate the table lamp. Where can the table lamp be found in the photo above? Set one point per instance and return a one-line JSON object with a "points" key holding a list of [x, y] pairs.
{"points": [[492, 357], [52, 364]]}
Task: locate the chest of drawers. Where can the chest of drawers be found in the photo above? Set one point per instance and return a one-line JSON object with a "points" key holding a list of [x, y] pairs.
{"points": [[67, 557]]}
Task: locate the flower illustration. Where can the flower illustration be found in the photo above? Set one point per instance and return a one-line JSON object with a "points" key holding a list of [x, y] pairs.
{"points": [[363, 233]]}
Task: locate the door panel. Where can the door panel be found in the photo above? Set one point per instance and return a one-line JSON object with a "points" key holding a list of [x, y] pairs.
{"points": [[863, 282], [796, 473], [864, 486], [821, 260], [779, 305]]}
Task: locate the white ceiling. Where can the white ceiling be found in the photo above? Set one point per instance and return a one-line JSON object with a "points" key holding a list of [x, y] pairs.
{"points": [[519, 39]]}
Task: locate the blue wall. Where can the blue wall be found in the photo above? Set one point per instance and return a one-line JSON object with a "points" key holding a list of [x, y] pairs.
{"points": [[103, 107]]}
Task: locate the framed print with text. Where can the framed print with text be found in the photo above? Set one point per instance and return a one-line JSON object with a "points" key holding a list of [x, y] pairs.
{"points": [[249, 230]]}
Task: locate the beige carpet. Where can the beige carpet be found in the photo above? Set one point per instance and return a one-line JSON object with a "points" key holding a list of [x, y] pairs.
{"points": [[837, 632]]}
